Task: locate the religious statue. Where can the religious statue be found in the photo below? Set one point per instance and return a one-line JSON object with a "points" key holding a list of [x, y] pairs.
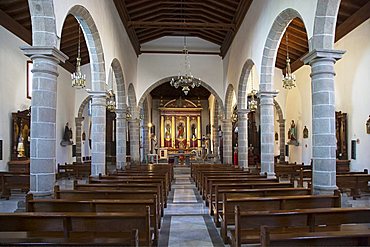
{"points": [[305, 132], [154, 143], [368, 126], [292, 134], [168, 131], [193, 131], [67, 136], [180, 130]]}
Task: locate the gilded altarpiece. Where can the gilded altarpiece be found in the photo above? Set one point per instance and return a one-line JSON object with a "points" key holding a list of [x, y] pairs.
{"points": [[180, 125]]}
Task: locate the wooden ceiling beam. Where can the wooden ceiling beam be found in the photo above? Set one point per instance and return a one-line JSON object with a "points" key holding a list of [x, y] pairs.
{"points": [[181, 52], [222, 5], [182, 25], [146, 6], [202, 17], [13, 26], [353, 21], [135, 3]]}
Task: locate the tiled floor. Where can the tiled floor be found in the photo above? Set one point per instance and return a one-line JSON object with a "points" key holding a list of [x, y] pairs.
{"points": [[186, 221]]}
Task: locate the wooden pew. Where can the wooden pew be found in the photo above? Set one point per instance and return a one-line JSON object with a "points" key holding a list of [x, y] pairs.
{"points": [[160, 182], [13, 180], [75, 170], [233, 173], [247, 223], [356, 183], [108, 194], [154, 168], [272, 203], [127, 205], [75, 227], [122, 186], [216, 207], [327, 238]]}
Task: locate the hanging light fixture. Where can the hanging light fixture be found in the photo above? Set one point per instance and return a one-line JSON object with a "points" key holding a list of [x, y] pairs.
{"points": [[78, 79], [186, 80], [253, 104], [289, 78], [111, 101]]}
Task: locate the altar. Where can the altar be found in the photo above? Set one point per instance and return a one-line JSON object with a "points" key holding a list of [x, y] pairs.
{"points": [[177, 157]]}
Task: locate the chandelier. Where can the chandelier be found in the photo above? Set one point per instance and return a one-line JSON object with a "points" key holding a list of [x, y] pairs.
{"points": [[187, 80], [111, 101], [253, 104], [289, 78], [78, 79]]}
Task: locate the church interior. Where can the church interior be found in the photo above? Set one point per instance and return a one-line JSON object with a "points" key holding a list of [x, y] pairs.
{"points": [[185, 122]]}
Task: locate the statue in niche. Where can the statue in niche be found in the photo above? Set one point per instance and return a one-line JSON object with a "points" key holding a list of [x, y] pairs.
{"points": [[180, 130], [193, 131], [168, 131], [292, 134], [67, 136], [368, 126], [305, 132]]}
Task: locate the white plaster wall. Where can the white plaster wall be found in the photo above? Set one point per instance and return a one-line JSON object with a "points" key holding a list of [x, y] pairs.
{"points": [[250, 39], [13, 87], [154, 67], [352, 89], [114, 38], [13, 96], [65, 113]]}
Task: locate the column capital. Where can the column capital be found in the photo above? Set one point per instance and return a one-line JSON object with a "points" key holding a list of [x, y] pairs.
{"points": [[44, 51], [322, 53], [265, 94], [97, 94], [243, 111]]}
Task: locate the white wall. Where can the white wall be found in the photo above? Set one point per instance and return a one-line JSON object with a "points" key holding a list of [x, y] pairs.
{"points": [[154, 67], [352, 89], [13, 87], [13, 96]]}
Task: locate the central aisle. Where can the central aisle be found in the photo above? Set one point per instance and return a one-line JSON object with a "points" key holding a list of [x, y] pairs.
{"points": [[186, 221]]}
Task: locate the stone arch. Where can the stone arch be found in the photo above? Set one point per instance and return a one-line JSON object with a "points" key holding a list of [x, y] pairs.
{"points": [[43, 23], [132, 101], [279, 111], [242, 88], [271, 47], [121, 89], [230, 92], [78, 122], [267, 92], [167, 79], [325, 24], [94, 46]]}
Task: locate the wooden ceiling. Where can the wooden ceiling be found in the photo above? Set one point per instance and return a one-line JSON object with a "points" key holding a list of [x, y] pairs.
{"points": [[216, 21]]}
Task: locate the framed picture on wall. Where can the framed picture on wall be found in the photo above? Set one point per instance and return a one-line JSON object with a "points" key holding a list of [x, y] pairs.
{"points": [[29, 79]]}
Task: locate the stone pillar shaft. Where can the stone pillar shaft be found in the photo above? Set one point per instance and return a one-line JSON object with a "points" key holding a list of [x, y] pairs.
{"points": [[98, 132], [120, 139], [243, 137], [134, 126], [215, 136], [323, 119], [282, 140], [78, 122], [43, 117], [267, 133], [227, 128]]}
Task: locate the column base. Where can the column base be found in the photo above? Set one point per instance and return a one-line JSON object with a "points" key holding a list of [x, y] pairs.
{"points": [[41, 194], [269, 174], [324, 190]]}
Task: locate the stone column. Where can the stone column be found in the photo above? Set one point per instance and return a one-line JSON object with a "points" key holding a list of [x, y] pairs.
{"points": [[134, 126], [215, 136], [267, 132], [78, 122], [323, 118], [98, 134], [146, 140], [120, 138], [282, 140], [43, 117], [243, 137], [227, 128]]}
